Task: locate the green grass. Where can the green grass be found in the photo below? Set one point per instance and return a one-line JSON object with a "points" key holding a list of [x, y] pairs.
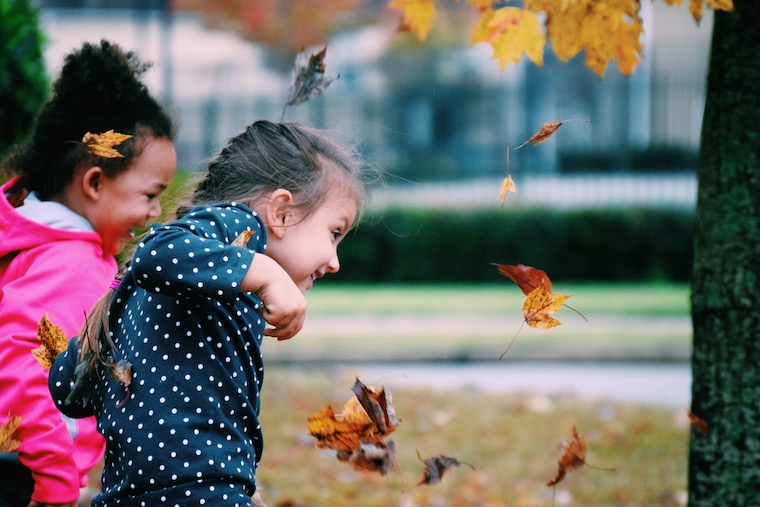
{"points": [[589, 298], [510, 440]]}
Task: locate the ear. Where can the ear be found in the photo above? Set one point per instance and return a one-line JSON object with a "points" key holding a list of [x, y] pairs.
{"points": [[278, 213], [92, 182]]}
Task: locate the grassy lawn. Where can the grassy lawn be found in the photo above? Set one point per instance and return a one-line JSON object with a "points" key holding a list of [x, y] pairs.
{"points": [[609, 298], [510, 440], [457, 322]]}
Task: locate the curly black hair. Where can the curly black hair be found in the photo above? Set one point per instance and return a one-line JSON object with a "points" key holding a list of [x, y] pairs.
{"points": [[98, 89]]}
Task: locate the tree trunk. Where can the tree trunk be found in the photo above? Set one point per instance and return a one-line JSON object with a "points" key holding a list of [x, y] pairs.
{"points": [[724, 464]]}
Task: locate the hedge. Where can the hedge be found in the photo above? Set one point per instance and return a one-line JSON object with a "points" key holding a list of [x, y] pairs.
{"points": [[413, 245]]}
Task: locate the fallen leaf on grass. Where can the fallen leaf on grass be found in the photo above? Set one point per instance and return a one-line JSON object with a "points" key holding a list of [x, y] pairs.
{"points": [[7, 442], [358, 432], [436, 466], [53, 341]]}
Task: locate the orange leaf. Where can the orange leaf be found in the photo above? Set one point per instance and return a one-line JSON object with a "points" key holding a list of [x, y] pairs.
{"points": [[699, 424], [103, 144], [7, 442], [507, 186], [547, 129], [242, 239], [539, 306], [573, 457], [526, 277], [357, 433], [53, 342]]}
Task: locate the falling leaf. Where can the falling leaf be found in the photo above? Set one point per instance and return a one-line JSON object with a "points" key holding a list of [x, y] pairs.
{"points": [[418, 16], [436, 466], [699, 424], [507, 186], [308, 78], [7, 442], [243, 238], [540, 305], [573, 457], [103, 144], [53, 342], [546, 131], [526, 277], [357, 432], [541, 302]]}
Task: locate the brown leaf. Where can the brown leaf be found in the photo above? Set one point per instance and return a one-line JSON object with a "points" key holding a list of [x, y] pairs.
{"points": [[242, 239], [526, 277], [573, 457], [546, 131], [507, 186], [103, 144], [308, 78], [7, 442], [53, 342], [436, 466], [699, 424], [357, 433]]}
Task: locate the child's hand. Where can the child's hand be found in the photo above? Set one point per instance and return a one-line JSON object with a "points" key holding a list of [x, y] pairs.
{"points": [[284, 303]]}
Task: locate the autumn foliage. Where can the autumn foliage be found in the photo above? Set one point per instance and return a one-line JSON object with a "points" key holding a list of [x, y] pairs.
{"points": [[604, 30]]}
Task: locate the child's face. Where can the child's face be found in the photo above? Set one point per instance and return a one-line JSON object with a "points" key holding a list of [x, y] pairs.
{"points": [[130, 199], [308, 249]]}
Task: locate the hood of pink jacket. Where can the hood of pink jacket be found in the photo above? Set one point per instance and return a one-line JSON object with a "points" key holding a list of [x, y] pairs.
{"points": [[19, 233]]}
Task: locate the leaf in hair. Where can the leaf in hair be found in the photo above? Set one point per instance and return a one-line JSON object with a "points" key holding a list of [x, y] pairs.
{"points": [[102, 145]]}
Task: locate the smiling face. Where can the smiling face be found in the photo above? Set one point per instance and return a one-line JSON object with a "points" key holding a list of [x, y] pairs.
{"points": [[130, 199], [308, 249]]}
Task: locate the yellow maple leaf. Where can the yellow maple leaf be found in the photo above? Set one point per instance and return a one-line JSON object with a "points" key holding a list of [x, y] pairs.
{"points": [[7, 442], [512, 32], [697, 9], [53, 341], [102, 145], [418, 16], [627, 44], [563, 25], [540, 305], [507, 186], [721, 5]]}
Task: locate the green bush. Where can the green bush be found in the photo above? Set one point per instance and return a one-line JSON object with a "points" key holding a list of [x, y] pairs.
{"points": [[23, 80], [455, 245]]}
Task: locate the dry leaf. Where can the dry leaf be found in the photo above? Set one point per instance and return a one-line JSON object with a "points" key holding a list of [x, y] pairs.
{"points": [[436, 466], [546, 131], [573, 456], [357, 433], [103, 144], [699, 424], [53, 342], [540, 305], [7, 442], [526, 277], [242, 239], [507, 186], [308, 78]]}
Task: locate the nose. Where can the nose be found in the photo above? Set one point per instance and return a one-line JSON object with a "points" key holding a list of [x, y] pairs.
{"points": [[334, 265], [155, 210]]}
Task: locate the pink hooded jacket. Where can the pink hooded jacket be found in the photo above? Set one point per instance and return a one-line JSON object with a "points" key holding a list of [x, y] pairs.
{"points": [[62, 273]]}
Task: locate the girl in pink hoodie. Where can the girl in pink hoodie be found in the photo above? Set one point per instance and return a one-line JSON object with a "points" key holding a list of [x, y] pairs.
{"points": [[69, 208]]}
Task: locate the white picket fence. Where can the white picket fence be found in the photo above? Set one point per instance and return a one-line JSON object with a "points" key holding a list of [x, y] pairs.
{"points": [[567, 191]]}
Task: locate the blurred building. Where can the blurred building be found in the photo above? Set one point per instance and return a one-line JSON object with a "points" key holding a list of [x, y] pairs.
{"points": [[421, 112]]}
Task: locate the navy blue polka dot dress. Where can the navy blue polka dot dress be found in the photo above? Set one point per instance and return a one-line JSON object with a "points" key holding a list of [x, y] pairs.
{"points": [[186, 432]]}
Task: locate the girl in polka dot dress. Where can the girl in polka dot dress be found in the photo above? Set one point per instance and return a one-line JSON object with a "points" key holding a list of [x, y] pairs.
{"points": [[191, 312]]}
